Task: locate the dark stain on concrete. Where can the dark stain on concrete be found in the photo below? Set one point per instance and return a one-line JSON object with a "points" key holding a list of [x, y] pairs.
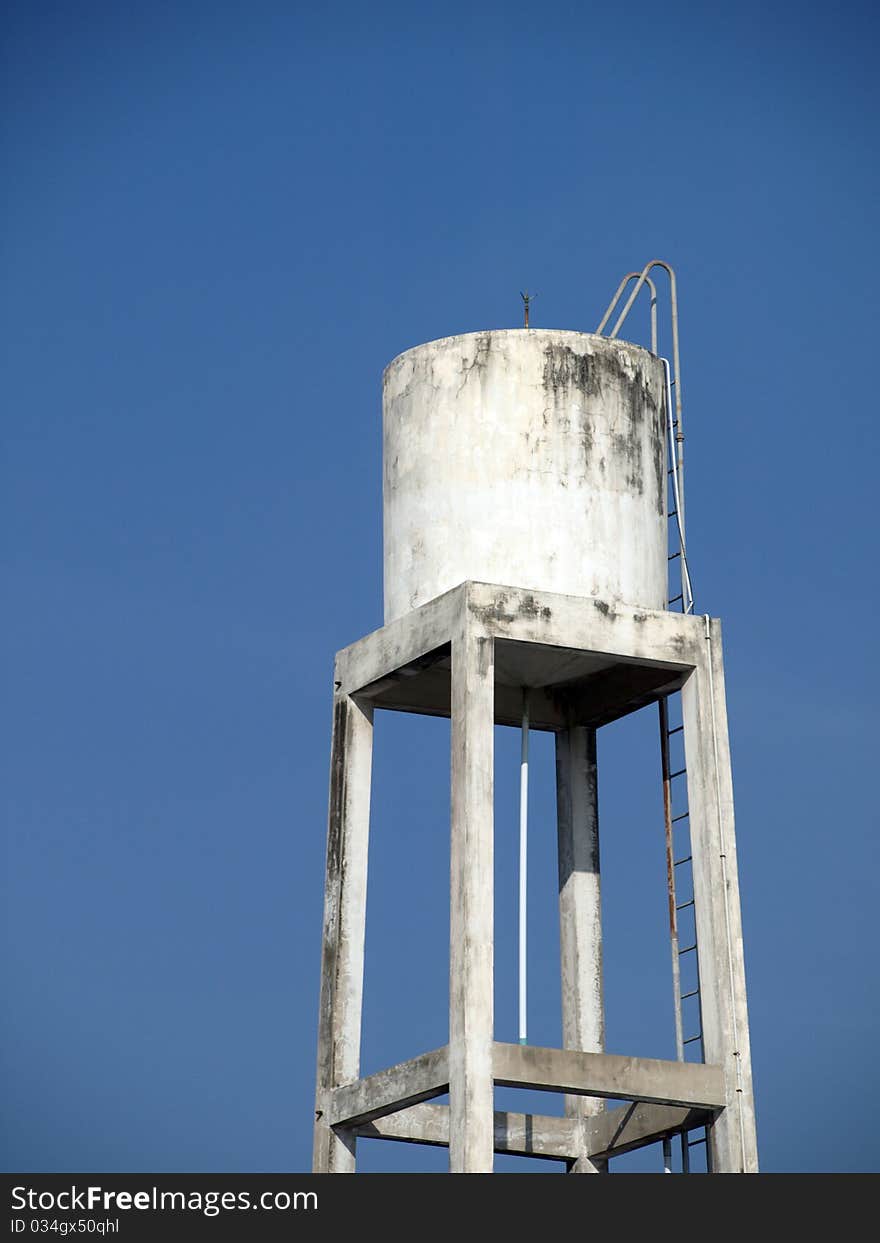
{"points": [[504, 610], [532, 609], [341, 719], [482, 349], [566, 370], [493, 612]]}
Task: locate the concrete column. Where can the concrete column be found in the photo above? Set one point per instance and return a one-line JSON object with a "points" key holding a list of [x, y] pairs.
{"points": [[732, 1137], [471, 978], [580, 912], [345, 903]]}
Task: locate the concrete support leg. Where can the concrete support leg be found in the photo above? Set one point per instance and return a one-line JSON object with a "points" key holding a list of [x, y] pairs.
{"points": [[471, 980], [732, 1137], [342, 965], [580, 915]]}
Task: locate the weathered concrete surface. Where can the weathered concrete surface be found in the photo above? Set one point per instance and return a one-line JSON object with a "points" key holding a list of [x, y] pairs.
{"points": [[670, 641], [495, 442], [524, 1135], [386, 1092], [609, 1075], [580, 908], [471, 925], [633, 1126], [594, 625], [606, 1135], [472, 622], [733, 1144], [398, 643], [345, 908]]}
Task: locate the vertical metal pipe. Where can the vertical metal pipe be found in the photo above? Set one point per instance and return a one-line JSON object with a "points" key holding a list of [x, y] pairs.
{"points": [[667, 1155], [523, 865]]}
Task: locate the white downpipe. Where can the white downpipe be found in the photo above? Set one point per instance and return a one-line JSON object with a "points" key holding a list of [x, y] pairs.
{"points": [[523, 863]]}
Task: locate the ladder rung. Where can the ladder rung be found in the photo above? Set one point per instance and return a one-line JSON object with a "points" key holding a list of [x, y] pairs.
{"points": [[675, 599], [679, 773], [687, 949], [686, 859], [677, 730], [684, 815], [691, 1039], [695, 992], [673, 513], [685, 905], [674, 555]]}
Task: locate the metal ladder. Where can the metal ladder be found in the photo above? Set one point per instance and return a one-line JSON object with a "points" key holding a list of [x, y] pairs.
{"points": [[679, 879], [679, 875]]}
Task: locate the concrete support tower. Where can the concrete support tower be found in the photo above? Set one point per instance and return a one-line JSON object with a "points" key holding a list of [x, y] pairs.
{"points": [[526, 552]]}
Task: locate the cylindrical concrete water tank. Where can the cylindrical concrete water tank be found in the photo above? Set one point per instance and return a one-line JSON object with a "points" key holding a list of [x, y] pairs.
{"points": [[526, 457]]}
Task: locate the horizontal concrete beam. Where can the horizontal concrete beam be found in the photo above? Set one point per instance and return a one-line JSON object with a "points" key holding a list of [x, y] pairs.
{"points": [[616, 1131], [523, 1135], [644, 636], [605, 1135], [590, 625], [401, 642], [390, 1090], [609, 1075], [428, 694]]}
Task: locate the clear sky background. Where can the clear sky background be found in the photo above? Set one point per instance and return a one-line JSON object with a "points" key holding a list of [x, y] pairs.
{"points": [[221, 221]]}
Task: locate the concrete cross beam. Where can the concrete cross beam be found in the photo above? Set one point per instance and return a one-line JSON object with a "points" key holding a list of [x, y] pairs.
{"points": [[548, 1138], [592, 625], [407, 1083], [688, 1085], [522, 1135], [398, 644], [641, 637], [633, 1126], [609, 1075]]}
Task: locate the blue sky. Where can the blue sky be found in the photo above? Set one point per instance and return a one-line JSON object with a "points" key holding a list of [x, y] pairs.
{"points": [[221, 222]]}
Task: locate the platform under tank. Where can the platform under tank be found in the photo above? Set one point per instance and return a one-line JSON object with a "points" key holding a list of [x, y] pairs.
{"points": [[533, 458]]}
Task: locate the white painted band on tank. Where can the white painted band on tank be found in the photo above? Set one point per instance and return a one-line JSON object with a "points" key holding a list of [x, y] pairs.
{"points": [[529, 457]]}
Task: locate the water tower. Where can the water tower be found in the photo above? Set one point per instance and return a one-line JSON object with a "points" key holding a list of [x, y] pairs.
{"points": [[533, 507]]}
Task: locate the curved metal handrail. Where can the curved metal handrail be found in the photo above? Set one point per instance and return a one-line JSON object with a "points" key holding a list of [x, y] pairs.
{"points": [[644, 279], [614, 301]]}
